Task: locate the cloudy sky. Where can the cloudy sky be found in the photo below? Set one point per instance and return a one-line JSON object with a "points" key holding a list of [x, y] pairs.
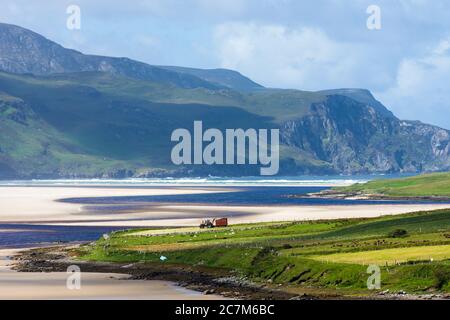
{"points": [[302, 44]]}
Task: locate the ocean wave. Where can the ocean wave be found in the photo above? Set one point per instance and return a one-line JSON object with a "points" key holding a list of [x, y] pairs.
{"points": [[200, 181]]}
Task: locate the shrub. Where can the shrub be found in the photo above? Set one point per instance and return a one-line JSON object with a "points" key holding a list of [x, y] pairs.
{"points": [[441, 277], [398, 233]]}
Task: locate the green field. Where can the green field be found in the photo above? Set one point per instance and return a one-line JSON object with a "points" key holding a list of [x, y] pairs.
{"points": [[390, 256], [427, 185], [323, 255]]}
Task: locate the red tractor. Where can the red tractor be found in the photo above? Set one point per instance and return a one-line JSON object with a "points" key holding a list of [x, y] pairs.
{"points": [[214, 223]]}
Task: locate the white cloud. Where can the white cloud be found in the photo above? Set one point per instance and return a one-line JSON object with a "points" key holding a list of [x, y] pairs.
{"points": [[421, 90], [303, 57], [307, 58]]}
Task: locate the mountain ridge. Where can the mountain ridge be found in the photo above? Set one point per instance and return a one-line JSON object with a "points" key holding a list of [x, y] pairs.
{"points": [[47, 57], [224, 77]]}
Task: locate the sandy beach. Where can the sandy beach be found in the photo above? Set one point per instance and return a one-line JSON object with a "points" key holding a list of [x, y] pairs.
{"points": [[103, 286], [38, 205]]}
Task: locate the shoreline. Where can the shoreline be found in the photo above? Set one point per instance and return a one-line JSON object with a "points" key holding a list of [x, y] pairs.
{"points": [[199, 283], [38, 284], [213, 284], [334, 194]]}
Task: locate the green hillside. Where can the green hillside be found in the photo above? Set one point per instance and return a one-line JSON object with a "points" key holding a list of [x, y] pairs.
{"points": [[28, 142], [222, 77], [96, 124], [427, 185], [319, 257], [111, 123], [275, 103]]}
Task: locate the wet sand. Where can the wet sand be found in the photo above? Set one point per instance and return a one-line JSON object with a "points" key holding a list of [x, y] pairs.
{"points": [[38, 205], [100, 286]]}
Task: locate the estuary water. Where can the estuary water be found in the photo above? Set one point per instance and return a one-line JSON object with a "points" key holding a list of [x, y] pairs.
{"points": [[226, 192], [237, 196]]}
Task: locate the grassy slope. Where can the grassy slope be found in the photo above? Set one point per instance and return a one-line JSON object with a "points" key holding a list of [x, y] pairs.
{"points": [[299, 255], [128, 122], [390, 256], [125, 120], [106, 119], [27, 142], [278, 104], [428, 185]]}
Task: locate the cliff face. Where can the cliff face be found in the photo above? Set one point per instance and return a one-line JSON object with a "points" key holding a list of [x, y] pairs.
{"points": [[356, 138]]}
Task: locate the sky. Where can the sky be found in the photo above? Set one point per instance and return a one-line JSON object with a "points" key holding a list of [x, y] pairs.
{"points": [[299, 44]]}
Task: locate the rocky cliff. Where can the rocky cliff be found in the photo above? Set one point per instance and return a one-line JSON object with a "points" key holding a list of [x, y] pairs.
{"points": [[357, 138]]}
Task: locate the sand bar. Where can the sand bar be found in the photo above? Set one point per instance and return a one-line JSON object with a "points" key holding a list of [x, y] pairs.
{"points": [[39, 205]]}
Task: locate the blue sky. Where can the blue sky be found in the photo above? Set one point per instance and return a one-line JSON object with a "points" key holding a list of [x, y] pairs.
{"points": [[309, 45]]}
